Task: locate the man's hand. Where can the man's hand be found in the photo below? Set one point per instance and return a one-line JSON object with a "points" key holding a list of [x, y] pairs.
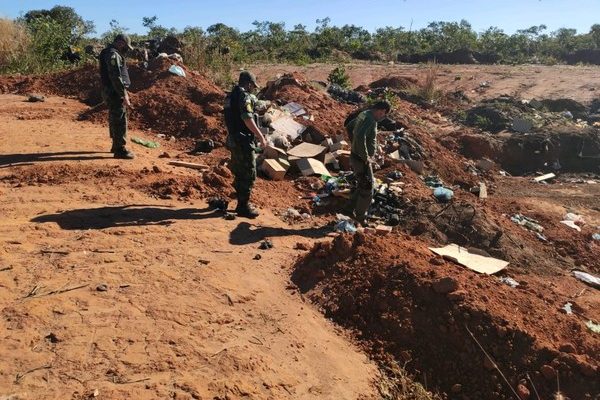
{"points": [[371, 160], [126, 101], [263, 141]]}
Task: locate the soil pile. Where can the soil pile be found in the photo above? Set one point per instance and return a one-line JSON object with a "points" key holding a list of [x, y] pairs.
{"points": [[188, 106], [394, 82], [400, 299]]}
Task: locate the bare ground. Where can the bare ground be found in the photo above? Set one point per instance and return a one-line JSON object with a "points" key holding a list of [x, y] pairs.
{"points": [[188, 312]]}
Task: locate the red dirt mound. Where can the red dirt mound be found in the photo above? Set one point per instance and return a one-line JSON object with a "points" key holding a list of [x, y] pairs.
{"points": [[394, 82], [329, 114], [403, 301], [162, 102]]}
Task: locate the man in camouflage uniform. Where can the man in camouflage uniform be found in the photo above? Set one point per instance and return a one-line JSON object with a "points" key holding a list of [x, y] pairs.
{"points": [[241, 140], [364, 144], [115, 81]]}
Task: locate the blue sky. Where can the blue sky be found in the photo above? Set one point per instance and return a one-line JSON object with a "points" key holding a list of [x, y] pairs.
{"points": [[509, 15]]}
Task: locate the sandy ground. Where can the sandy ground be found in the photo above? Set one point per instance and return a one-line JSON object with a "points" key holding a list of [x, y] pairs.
{"points": [[185, 310], [523, 81]]}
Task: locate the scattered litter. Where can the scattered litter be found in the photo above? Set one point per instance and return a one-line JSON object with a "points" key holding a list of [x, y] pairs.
{"points": [[273, 169], [307, 150], [590, 279], [344, 224], [146, 143], [544, 177], [522, 125], [218, 203], [266, 244], [103, 287], [229, 216], [596, 236], [164, 155], [527, 222], [177, 70], [257, 257], [567, 114], [541, 237], [443, 194], [310, 166], [571, 224], [189, 165], [294, 108], [568, 308], [507, 280], [204, 146], [475, 262], [35, 98], [574, 217], [292, 214], [483, 194], [592, 326]]}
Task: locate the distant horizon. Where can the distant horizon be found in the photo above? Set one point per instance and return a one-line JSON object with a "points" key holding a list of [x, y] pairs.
{"points": [[508, 15]]}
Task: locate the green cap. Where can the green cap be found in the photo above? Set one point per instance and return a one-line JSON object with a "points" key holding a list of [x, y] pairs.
{"points": [[247, 77], [125, 38]]}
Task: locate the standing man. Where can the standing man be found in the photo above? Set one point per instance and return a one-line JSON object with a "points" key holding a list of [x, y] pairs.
{"points": [[115, 81], [241, 140], [364, 143]]}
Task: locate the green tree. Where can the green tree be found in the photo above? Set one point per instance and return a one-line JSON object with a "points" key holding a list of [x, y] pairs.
{"points": [[70, 23]]}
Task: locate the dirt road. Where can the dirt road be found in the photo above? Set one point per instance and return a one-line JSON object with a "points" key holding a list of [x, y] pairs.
{"points": [[476, 81], [106, 290]]}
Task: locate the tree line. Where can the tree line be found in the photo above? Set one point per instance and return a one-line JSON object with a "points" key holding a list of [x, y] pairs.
{"points": [[36, 42]]}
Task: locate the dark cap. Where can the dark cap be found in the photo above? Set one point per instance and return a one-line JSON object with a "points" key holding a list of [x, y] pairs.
{"points": [[125, 38], [247, 77]]}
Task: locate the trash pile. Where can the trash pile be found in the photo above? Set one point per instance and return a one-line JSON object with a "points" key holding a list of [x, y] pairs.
{"points": [[532, 135]]}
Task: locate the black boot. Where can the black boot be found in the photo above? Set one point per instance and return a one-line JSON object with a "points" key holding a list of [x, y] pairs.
{"points": [[244, 209], [124, 154]]}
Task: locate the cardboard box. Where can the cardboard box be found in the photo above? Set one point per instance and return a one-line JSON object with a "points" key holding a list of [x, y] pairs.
{"points": [[342, 145], [310, 166], [273, 169], [274, 152], [284, 163]]}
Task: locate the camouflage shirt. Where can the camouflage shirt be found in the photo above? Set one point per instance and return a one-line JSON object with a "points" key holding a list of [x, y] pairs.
{"points": [[113, 71], [364, 137]]}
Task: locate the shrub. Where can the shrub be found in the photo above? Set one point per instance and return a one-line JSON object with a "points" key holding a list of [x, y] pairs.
{"points": [[339, 77]]}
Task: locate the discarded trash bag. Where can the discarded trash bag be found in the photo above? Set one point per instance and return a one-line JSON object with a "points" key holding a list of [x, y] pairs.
{"points": [[507, 280], [146, 143], [177, 70], [590, 279], [344, 224], [527, 222], [593, 327], [443, 194]]}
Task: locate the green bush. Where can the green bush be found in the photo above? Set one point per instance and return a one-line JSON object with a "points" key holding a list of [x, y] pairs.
{"points": [[339, 77]]}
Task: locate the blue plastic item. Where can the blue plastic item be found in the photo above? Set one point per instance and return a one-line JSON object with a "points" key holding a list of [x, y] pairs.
{"points": [[443, 194]]}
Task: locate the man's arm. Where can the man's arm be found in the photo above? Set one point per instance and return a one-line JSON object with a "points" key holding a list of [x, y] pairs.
{"points": [[114, 72], [359, 139], [371, 139]]}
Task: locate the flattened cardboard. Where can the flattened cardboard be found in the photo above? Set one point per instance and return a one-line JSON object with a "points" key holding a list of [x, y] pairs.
{"points": [[310, 166], [307, 150], [475, 262]]}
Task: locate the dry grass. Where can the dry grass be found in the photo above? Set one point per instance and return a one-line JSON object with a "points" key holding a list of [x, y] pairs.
{"points": [[428, 90], [395, 383], [14, 41]]}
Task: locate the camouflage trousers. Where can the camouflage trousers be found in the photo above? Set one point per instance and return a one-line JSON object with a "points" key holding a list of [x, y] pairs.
{"points": [[362, 195], [117, 120], [243, 167]]}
